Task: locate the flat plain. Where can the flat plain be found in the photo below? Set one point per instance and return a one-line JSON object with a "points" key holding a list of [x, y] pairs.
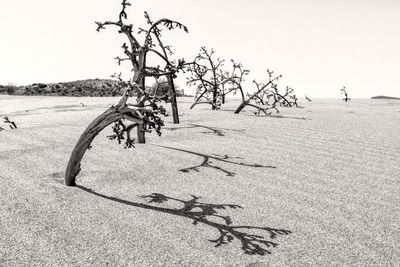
{"points": [[327, 172]]}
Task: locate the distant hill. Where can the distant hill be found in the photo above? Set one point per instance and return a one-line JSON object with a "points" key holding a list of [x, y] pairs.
{"points": [[384, 97], [89, 87]]}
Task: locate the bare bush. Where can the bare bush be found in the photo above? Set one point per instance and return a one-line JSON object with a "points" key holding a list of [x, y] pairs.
{"points": [[268, 97], [211, 80]]}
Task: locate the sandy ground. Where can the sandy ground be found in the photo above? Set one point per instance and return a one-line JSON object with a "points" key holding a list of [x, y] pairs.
{"points": [[328, 172]]}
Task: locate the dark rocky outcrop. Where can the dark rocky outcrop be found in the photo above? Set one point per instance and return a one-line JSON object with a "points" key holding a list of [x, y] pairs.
{"points": [[384, 97], [90, 87]]}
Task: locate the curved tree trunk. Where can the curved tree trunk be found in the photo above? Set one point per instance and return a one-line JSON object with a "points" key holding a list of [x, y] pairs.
{"points": [[244, 103], [111, 115], [192, 105], [197, 99], [284, 100], [201, 102]]}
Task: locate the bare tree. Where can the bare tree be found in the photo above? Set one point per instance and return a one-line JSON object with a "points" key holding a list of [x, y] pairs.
{"points": [[343, 91], [212, 82], [268, 97], [261, 98], [308, 99], [144, 114]]}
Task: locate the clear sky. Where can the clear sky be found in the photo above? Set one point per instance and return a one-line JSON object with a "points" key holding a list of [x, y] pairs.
{"points": [[317, 45]]}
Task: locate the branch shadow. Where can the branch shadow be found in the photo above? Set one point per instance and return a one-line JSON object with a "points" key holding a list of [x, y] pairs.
{"points": [[206, 163], [288, 117], [58, 108], [276, 116], [206, 213], [211, 130]]}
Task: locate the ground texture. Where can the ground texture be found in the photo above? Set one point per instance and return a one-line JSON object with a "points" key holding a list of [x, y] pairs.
{"points": [[328, 173]]}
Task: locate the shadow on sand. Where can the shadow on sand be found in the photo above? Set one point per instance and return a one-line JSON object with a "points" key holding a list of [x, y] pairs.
{"points": [[207, 160], [58, 108], [288, 117], [200, 212], [210, 130]]}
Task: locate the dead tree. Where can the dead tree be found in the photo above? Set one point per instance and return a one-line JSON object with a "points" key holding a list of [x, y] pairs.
{"points": [[343, 91], [212, 82], [262, 99], [308, 99], [234, 84], [268, 97], [144, 114]]}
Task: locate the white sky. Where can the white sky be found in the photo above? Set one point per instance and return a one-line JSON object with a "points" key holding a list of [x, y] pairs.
{"points": [[317, 45]]}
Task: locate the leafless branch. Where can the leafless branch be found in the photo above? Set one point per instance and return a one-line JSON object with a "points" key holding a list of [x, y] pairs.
{"points": [[10, 123], [267, 96], [212, 82]]}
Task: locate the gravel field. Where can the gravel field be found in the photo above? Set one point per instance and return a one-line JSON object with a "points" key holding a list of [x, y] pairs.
{"points": [[319, 185]]}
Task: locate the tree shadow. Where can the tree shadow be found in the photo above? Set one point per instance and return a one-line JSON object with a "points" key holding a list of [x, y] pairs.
{"points": [[206, 163], [206, 213], [58, 108], [276, 116], [211, 130], [288, 117]]}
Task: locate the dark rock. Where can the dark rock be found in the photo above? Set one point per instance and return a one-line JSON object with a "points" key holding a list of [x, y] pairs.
{"points": [[385, 97]]}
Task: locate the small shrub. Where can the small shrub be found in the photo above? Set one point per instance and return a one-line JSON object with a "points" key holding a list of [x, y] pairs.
{"points": [[346, 96]]}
